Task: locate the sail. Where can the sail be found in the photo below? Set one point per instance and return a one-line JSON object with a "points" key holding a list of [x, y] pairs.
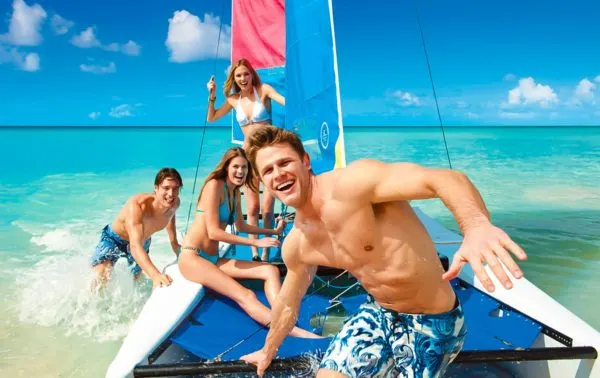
{"points": [[258, 35], [291, 44], [313, 107]]}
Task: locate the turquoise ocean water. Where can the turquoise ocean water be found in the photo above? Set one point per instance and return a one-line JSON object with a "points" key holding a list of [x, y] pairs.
{"points": [[60, 186]]}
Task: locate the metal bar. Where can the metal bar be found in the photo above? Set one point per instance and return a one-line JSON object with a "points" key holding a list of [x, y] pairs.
{"points": [[225, 367], [533, 354]]}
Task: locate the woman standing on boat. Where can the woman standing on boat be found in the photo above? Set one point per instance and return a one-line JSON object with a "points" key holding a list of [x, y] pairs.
{"points": [[251, 100], [219, 206]]}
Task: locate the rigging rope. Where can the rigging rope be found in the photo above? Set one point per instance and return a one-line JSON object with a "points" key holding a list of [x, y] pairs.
{"points": [[437, 106], [241, 341], [205, 120]]}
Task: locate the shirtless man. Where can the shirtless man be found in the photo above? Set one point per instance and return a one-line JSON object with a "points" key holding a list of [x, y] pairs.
{"points": [[358, 218], [129, 234]]}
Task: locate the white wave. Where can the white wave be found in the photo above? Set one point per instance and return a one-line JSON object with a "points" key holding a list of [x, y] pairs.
{"points": [[59, 240], [564, 195], [54, 288], [57, 292]]}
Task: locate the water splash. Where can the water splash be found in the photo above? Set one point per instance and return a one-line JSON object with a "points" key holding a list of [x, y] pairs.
{"points": [[57, 291]]}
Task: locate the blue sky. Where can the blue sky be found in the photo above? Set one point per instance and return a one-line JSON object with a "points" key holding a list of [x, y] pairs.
{"points": [[65, 62]]}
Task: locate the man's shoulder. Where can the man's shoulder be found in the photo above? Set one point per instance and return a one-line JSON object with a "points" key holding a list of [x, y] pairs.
{"points": [[364, 163], [140, 201], [291, 244]]}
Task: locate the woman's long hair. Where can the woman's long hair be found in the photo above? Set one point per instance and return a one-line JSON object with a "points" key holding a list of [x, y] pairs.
{"points": [[220, 172], [231, 86]]}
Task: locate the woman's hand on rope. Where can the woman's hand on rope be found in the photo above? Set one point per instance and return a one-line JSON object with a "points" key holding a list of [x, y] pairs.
{"points": [[212, 86], [281, 223]]}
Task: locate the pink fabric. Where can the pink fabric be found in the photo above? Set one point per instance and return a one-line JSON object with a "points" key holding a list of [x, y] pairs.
{"points": [[258, 32]]}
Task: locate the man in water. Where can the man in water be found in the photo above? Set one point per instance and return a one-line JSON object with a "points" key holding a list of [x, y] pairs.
{"points": [[129, 234], [359, 218]]}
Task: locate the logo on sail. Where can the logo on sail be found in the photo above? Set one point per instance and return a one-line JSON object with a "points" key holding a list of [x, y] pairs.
{"points": [[324, 135]]}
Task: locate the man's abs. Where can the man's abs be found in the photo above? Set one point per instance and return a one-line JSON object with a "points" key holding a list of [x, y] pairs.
{"points": [[396, 263]]}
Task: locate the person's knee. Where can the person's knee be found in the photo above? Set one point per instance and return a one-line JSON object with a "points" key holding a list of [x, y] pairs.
{"points": [[246, 296], [102, 267], [270, 272]]}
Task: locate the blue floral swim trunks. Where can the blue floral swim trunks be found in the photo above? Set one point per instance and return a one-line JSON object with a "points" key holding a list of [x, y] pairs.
{"points": [[378, 342], [111, 247]]}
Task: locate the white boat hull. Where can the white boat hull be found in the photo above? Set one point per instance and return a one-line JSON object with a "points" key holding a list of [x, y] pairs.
{"points": [[162, 313], [533, 302], [166, 308]]}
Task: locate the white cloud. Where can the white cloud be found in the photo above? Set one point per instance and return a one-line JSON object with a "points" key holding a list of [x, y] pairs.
{"points": [[517, 115], [189, 38], [25, 23], [472, 115], [597, 79], [87, 39], [124, 110], [405, 98], [94, 115], [529, 92], [61, 25], [131, 48], [584, 91], [27, 62], [99, 69], [31, 62], [509, 77]]}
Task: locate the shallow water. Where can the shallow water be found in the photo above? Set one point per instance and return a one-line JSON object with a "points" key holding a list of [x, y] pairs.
{"points": [[541, 186]]}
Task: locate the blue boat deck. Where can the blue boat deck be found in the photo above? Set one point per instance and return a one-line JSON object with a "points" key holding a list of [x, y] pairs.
{"points": [[219, 328]]}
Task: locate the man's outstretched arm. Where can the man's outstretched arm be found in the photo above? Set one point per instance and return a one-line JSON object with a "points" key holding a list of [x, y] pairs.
{"points": [[375, 182], [172, 232], [284, 313], [135, 230]]}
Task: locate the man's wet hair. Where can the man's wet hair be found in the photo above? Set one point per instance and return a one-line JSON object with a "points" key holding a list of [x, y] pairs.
{"points": [[266, 136], [168, 173]]}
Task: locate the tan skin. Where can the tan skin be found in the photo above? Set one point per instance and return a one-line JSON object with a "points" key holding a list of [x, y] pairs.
{"points": [[243, 78], [364, 224], [206, 232], [141, 217]]}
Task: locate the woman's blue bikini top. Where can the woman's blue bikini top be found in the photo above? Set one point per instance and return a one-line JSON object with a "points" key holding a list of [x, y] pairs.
{"points": [[225, 215]]}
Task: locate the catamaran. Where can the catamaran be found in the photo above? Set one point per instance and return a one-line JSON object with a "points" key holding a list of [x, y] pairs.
{"points": [[186, 329]]}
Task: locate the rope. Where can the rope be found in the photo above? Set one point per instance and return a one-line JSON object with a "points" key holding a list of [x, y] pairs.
{"points": [[205, 121], [281, 237], [218, 357], [437, 106], [333, 286]]}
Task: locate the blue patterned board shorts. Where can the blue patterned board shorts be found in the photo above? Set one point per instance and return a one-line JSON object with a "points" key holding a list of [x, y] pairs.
{"points": [[378, 342], [111, 247]]}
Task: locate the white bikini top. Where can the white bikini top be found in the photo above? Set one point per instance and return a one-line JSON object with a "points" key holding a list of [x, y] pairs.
{"points": [[259, 112]]}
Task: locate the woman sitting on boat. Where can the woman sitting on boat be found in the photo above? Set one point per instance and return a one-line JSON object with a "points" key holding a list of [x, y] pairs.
{"points": [[219, 206], [251, 100]]}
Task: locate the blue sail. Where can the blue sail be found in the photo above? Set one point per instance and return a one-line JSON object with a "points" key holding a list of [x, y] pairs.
{"points": [[313, 107]]}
